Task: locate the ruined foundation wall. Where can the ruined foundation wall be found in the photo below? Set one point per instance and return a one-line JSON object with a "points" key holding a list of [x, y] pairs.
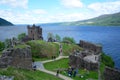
{"points": [[111, 74], [16, 57], [90, 46], [78, 62]]}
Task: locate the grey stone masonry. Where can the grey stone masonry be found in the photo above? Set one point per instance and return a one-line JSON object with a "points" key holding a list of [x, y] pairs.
{"points": [[89, 58], [79, 61], [16, 57], [111, 74], [96, 48], [34, 32]]}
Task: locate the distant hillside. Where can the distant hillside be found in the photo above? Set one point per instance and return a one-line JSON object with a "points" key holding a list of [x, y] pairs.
{"points": [[4, 22], [103, 20]]}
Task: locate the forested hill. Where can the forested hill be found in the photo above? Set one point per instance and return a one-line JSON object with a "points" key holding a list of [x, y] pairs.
{"points": [[4, 22], [103, 20]]}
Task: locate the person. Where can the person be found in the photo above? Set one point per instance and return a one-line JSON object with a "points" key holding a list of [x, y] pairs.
{"points": [[75, 72], [54, 57], [57, 74], [34, 67], [70, 72]]}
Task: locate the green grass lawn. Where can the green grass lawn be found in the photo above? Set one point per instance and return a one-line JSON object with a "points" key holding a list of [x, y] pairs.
{"points": [[63, 64], [40, 59], [69, 48], [22, 74], [102, 67], [21, 46]]}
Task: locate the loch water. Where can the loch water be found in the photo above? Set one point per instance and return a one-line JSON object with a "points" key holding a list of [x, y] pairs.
{"points": [[108, 37]]}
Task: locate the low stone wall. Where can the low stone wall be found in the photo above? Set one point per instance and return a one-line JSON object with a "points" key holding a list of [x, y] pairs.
{"points": [[90, 46], [111, 74], [16, 57]]}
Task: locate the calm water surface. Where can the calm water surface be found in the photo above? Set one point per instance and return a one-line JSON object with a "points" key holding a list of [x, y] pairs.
{"points": [[109, 37]]}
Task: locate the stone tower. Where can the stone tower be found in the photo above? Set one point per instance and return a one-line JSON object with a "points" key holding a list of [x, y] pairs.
{"points": [[35, 32]]}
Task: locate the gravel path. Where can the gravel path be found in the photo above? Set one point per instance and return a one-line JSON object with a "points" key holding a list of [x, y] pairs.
{"points": [[39, 66]]}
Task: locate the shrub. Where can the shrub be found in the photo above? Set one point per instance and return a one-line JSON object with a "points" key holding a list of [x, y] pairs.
{"points": [[68, 40], [2, 46], [58, 38], [21, 36], [107, 60]]}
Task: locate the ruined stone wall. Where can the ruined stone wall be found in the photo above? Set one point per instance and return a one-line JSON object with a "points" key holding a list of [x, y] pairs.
{"points": [[34, 32], [91, 66], [90, 46], [30, 32], [79, 62], [19, 58], [76, 61], [72, 60], [111, 74]]}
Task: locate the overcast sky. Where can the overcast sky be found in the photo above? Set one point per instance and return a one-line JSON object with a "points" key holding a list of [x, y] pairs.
{"points": [[45, 11]]}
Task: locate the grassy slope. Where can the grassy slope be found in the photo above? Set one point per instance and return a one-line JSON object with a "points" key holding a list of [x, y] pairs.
{"points": [[21, 46], [63, 63], [106, 20], [42, 49], [21, 74], [69, 48], [105, 61]]}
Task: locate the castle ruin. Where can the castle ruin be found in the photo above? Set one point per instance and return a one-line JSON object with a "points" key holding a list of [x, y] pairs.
{"points": [[35, 32], [88, 58]]}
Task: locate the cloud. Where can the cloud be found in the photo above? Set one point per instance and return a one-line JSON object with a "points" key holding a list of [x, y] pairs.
{"points": [[61, 17], [15, 3], [27, 17], [105, 7], [41, 16], [38, 11], [72, 3]]}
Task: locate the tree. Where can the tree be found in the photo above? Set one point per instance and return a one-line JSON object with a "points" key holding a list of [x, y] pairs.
{"points": [[50, 37], [2, 46], [68, 40], [21, 36], [57, 37], [7, 43]]}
